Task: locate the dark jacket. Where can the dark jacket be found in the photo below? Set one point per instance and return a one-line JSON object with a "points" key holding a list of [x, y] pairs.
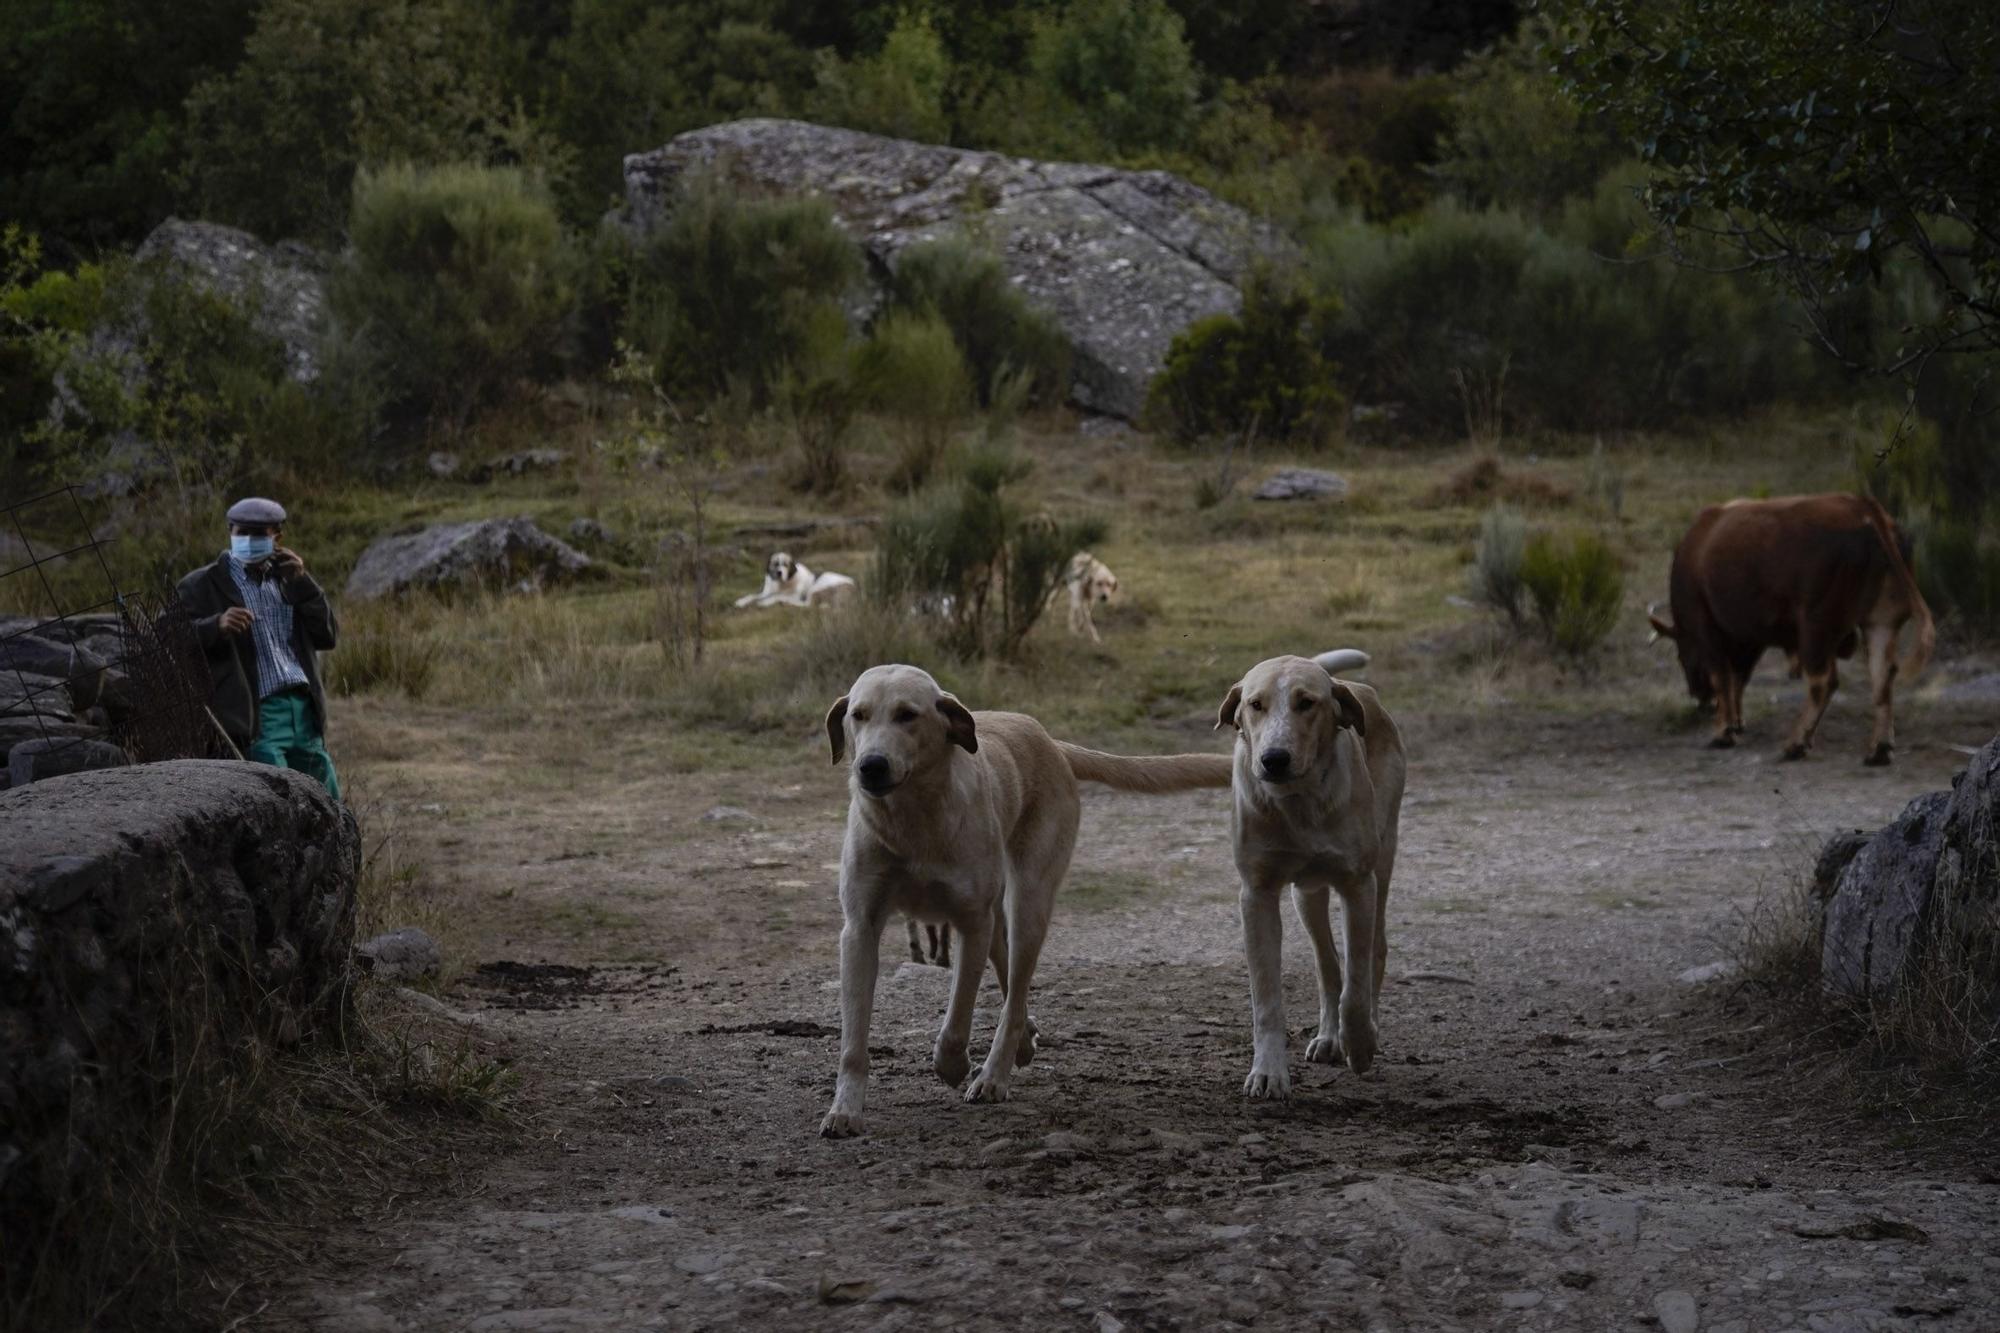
{"points": [[232, 659]]}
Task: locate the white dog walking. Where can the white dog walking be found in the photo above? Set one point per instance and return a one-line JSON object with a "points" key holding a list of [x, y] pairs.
{"points": [[1089, 581], [1318, 783], [968, 820], [789, 583]]}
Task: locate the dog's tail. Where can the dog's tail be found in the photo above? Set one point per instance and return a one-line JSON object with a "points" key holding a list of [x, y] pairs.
{"points": [[1342, 659], [1152, 774]]}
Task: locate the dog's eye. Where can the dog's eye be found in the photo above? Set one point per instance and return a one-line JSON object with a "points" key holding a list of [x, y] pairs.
{"points": [[1256, 705], [1305, 701], [906, 715], [859, 715]]}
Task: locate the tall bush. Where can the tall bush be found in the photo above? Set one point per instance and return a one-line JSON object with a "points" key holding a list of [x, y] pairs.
{"points": [[1124, 68], [966, 554], [459, 281], [1576, 588], [997, 331], [1259, 373], [732, 289], [912, 369]]}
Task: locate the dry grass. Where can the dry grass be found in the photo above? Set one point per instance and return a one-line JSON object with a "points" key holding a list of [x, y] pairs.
{"points": [[1485, 480]]}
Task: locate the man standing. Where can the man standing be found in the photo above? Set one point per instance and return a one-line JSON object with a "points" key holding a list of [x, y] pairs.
{"points": [[261, 619]]}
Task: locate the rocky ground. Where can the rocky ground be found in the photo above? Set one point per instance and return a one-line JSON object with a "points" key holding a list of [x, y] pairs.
{"points": [[1563, 1133]]}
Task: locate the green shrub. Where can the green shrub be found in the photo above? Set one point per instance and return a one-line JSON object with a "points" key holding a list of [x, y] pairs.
{"points": [[997, 332], [1258, 374], [327, 87], [733, 290], [899, 90], [817, 409], [459, 281], [1123, 66], [1576, 589], [911, 369], [1580, 339], [967, 556], [1496, 581]]}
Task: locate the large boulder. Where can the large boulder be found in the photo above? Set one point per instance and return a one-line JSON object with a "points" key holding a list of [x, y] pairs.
{"points": [[1123, 260], [1931, 877], [492, 552], [281, 288], [156, 923]]}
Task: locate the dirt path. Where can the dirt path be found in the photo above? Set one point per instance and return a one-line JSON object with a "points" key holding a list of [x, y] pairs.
{"points": [[1561, 1135]]}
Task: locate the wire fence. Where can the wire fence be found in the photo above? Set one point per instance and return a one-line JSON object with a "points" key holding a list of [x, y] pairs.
{"points": [[89, 662]]}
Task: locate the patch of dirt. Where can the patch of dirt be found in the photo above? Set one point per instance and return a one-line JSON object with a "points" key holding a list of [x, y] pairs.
{"points": [[1559, 1135]]}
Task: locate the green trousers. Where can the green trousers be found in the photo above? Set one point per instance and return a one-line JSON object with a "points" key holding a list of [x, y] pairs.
{"points": [[288, 736]]}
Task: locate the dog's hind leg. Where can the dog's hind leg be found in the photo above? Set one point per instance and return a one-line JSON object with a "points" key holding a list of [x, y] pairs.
{"points": [[1357, 996], [1314, 906], [860, 958], [1035, 870], [948, 1056], [1024, 1053]]}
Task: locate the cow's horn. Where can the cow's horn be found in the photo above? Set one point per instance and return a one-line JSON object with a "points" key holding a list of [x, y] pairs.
{"points": [[1654, 636]]}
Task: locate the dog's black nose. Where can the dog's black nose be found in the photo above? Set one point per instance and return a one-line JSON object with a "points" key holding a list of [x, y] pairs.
{"points": [[873, 770], [1277, 763]]}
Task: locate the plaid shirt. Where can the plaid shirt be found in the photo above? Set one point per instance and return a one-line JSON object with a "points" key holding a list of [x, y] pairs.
{"points": [[270, 630]]}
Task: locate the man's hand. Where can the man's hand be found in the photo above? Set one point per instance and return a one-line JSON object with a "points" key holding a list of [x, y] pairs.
{"points": [[287, 564], [236, 620]]}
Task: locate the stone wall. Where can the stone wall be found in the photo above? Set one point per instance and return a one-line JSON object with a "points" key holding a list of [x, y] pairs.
{"points": [[140, 909]]}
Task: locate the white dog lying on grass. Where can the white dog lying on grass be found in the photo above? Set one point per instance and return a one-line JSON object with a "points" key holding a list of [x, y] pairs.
{"points": [[789, 583]]}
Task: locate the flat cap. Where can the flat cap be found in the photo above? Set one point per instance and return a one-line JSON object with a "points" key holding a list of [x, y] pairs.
{"points": [[256, 510]]}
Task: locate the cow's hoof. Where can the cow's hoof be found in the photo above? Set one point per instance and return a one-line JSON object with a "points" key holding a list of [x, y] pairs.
{"points": [[1725, 741], [951, 1064], [1793, 752], [1878, 757], [840, 1125]]}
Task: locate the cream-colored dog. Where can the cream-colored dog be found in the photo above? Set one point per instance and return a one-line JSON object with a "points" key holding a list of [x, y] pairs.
{"points": [[968, 820], [1089, 582], [789, 583], [1318, 793]]}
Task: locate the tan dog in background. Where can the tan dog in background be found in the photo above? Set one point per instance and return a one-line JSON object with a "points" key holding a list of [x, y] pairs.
{"points": [[1318, 782], [968, 820], [1089, 582]]}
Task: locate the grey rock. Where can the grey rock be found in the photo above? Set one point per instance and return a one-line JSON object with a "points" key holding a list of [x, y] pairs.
{"points": [[1834, 854], [50, 652], [1967, 882], [55, 757], [1675, 1101], [1676, 1312], [519, 464], [727, 814], [1719, 970], [1122, 260], [403, 954], [494, 552], [31, 694], [15, 730], [282, 288], [591, 532], [442, 465], [1298, 483], [117, 886], [1882, 898]]}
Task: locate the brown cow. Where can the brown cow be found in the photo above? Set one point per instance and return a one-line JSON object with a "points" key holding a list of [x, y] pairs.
{"points": [[1813, 575]]}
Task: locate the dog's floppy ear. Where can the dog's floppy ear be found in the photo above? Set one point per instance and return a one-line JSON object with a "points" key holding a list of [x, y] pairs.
{"points": [[1226, 715], [1349, 707], [836, 728], [958, 724]]}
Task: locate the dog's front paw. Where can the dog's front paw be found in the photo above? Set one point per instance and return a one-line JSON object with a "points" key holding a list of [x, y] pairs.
{"points": [[986, 1088], [840, 1125], [951, 1063], [1268, 1083], [1323, 1050]]}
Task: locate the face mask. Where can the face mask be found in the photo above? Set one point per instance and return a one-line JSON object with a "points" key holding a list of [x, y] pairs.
{"points": [[248, 549]]}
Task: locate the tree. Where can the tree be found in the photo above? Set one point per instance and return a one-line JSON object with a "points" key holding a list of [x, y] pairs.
{"points": [[1822, 140]]}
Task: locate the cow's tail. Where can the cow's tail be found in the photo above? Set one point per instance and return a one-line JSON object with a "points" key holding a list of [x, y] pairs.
{"points": [[1152, 774], [1920, 611]]}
